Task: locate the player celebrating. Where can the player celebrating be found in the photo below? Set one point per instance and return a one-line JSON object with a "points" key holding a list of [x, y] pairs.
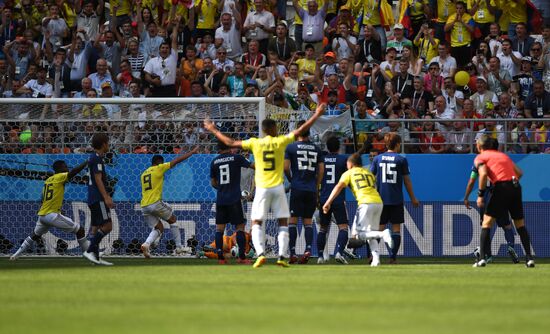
{"points": [[392, 170], [152, 206], [335, 166], [304, 168], [99, 200], [225, 177], [367, 217], [505, 199], [270, 193], [503, 223], [49, 214]]}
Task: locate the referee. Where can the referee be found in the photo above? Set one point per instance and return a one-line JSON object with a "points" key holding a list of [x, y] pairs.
{"points": [[505, 197]]}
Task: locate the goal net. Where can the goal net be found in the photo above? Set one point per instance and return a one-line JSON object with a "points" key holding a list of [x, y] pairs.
{"points": [[36, 132]]}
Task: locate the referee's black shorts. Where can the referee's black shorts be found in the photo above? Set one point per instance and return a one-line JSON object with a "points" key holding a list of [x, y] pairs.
{"points": [[505, 198]]}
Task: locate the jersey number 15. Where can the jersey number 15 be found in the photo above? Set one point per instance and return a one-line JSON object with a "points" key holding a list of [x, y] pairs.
{"points": [[389, 174]]}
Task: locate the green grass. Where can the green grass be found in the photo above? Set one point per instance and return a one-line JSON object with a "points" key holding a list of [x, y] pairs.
{"points": [[51, 295]]}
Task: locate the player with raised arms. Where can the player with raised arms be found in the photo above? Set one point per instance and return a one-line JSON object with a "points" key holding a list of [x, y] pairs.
{"points": [[99, 200], [505, 199], [335, 166], [49, 214], [503, 222], [225, 177], [152, 206], [304, 169], [369, 204], [392, 171], [268, 154]]}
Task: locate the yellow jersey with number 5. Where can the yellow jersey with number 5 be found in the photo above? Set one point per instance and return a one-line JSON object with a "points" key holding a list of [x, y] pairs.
{"points": [[269, 158], [363, 185], [53, 193], [151, 183]]}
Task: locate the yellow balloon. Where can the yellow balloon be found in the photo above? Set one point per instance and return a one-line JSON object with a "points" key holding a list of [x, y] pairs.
{"points": [[462, 78]]}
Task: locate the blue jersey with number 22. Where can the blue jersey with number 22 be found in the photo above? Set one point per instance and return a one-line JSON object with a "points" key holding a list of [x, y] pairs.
{"points": [[389, 169]]}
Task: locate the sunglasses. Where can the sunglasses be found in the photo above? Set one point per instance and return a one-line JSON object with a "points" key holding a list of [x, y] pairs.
{"points": [[537, 49]]}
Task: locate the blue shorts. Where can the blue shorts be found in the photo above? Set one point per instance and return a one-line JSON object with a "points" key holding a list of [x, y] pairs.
{"points": [[394, 214], [302, 203], [338, 211], [101, 214], [230, 214]]}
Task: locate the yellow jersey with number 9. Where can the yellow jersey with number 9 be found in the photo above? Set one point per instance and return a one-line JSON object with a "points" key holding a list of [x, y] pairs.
{"points": [[363, 185], [53, 193], [269, 158], [151, 183]]}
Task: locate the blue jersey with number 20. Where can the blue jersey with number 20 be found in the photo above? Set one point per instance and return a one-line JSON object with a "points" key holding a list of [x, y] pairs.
{"points": [[389, 169]]}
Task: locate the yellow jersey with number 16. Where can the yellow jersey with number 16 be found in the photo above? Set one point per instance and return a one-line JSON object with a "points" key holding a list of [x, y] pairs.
{"points": [[363, 185], [53, 193], [151, 183], [269, 158]]}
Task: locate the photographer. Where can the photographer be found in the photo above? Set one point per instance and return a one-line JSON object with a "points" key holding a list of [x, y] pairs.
{"points": [[426, 43]]}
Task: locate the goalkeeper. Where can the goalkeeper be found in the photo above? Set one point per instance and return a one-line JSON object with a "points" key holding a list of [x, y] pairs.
{"points": [[230, 247]]}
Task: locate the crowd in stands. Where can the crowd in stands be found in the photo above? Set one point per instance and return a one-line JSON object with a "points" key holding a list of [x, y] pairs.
{"points": [[352, 54]]}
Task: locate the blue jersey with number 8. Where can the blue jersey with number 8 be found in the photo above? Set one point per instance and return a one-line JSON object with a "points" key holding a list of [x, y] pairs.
{"points": [[389, 169], [226, 170]]}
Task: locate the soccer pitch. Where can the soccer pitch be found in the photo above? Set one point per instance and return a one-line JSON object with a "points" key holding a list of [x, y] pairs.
{"points": [[68, 295]]}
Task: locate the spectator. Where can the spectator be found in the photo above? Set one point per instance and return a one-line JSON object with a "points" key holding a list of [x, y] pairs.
{"points": [[453, 97], [112, 110], [484, 100], [394, 125], [469, 113], [371, 16], [290, 82], [237, 81], [493, 130], [461, 27], [344, 44], [190, 68], [403, 81], [426, 43], [517, 12], [333, 107], [431, 140], [442, 110], [207, 71], [499, 80], [88, 17], [537, 104], [484, 13], [509, 59], [259, 25], [39, 87], [399, 40], [370, 48], [520, 137], [136, 59], [313, 21], [416, 64], [101, 76], [536, 56], [364, 128], [253, 59], [150, 42], [522, 42], [79, 55], [460, 138], [482, 58], [8, 28], [160, 71], [330, 66], [60, 74], [110, 46], [525, 78], [228, 34], [447, 63], [445, 9], [493, 39], [221, 62], [124, 78], [206, 12], [505, 107], [55, 26], [206, 47], [421, 100], [433, 81], [307, 65], [284, 46], [19, 58]]}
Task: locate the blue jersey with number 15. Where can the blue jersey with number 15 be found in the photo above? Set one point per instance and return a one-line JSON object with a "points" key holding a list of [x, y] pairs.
{"points": [[335, 166], [226, 170], [389, 169]]}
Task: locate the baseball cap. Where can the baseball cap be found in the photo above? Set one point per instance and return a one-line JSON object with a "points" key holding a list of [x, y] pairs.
{"points": [[330, 54], [398, 26], [106, 84], [391, 49], [527, 59], [481, 78]]}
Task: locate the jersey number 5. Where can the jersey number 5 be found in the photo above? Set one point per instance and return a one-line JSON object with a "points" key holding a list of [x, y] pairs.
{"points": [[147, 182], [269, 158], [47, 193], [389, 174]]}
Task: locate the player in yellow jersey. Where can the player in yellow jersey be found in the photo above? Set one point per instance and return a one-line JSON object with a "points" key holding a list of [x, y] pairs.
{"points": [[152, 206], [269, 155], [369, 205], [49, 214]]}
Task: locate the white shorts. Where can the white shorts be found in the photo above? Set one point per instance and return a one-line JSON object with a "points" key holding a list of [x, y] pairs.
{"points": [[273, 198], [56, 220], [367, 218], [153, 213]]}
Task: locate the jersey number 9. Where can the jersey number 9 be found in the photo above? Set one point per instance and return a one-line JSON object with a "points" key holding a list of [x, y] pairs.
{"points": [[147, 182]]}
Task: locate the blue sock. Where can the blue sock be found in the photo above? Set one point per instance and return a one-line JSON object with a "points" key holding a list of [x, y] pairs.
{"points": [[396, 237], [292, 236], [219, 245], [94, 242], [341, 241], [369, 253], [321, 241], [308, 236], [509, 236], [241, 242]]}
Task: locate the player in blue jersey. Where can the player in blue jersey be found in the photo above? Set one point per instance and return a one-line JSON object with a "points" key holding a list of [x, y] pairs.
{"points": [[304, 168], [503, 223], [335, 166], [225, 177], [99, 199], [392, 171]]}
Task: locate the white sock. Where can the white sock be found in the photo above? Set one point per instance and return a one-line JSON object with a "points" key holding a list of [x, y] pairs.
{"points": [[84, 243], [375, 257], [373, 244], [370, 235], [175, 231], [152, 236], [283, 239], [257, 239], [24, 246]]}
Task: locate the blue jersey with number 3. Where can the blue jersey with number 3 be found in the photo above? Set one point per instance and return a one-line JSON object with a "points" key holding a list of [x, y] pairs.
{"points": [[304, 159], [335, 166], [226, 170], [389, 169]]}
